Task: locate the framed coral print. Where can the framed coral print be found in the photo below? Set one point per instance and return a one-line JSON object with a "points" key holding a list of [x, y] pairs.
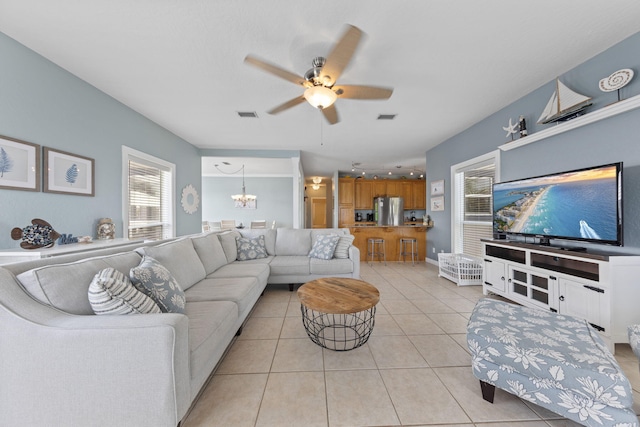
{"points": [[67, 173], [19, 165], [437, 187]]}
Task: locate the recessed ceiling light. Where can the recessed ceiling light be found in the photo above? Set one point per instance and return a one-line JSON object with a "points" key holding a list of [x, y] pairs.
{"points": [[248, 114]]}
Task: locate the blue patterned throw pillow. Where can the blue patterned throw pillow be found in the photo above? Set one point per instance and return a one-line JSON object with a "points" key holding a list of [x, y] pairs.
{"points": [[251, 248], [154, 280], [324, 246]]}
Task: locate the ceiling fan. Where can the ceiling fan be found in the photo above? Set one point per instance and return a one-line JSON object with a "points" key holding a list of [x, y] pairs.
{"points": [[319, 82]]}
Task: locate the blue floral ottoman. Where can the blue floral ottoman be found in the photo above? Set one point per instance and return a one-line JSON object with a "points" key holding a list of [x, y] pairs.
{"points": [[557, 362]]}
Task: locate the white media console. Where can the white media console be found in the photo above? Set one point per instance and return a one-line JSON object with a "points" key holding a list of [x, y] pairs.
{"points": [[602, 288]]}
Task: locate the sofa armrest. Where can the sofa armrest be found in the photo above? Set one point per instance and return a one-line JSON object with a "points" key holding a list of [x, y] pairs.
{"points": [[61, 369], [354, 255], [634, 339]]}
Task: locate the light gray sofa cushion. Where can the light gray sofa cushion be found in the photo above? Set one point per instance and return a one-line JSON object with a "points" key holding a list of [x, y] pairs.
{"points": [[211, 329], [315, 232], [181, 259], [258, 270], [269, 237], [293, 241], [209, 249], [66, 286], [228, 241], [243, 291], [330, 266], [288, 265]]}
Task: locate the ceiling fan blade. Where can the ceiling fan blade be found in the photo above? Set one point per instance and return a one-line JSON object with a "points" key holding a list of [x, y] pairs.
{"points": [[275, 70], [340, 56], [291, 103], [331, 114], [362, 92]]}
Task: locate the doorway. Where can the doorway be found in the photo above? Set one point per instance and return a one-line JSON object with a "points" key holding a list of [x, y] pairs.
{"points": [[318, 212]]}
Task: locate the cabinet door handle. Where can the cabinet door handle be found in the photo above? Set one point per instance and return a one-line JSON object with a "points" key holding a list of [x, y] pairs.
{"points": [[487, 260], [561, 298], [593, 288], [487, 283], [502, 278]]}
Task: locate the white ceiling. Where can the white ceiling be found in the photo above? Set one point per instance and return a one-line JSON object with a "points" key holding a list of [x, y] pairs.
{"points": [[451, 63]]}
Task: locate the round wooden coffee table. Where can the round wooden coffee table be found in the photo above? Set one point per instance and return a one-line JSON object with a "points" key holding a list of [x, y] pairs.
{"points": [[338, 313]]}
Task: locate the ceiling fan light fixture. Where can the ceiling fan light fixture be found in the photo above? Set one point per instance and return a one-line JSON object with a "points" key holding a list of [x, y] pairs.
{"points": [[320, 96]]}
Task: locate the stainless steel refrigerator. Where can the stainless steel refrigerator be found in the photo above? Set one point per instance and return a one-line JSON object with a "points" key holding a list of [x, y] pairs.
{"points": [[389, 210]]}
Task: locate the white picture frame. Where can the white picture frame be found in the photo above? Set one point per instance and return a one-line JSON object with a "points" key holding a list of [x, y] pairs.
{"points": [[437, 203], [437, 187]]}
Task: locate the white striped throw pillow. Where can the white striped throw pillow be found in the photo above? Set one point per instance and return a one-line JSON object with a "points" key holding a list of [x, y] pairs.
{"points": [[342, 249], [111, 292]]}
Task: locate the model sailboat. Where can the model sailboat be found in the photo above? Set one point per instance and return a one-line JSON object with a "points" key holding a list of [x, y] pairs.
{"points": [[563, 103]]}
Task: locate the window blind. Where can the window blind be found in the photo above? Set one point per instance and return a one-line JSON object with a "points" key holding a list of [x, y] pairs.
{"points": [[473, 213], [150, 204]]}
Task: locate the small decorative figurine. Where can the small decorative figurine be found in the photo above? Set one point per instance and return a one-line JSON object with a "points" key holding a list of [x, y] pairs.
{"points": [[106, 229], [67, 239], [522, 127], [511, 129], [40, 234]]}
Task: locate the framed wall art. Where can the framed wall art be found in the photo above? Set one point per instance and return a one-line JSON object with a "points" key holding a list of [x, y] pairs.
{"points": [[437, 203], [67, 173], [19, 165], [437, 187]]}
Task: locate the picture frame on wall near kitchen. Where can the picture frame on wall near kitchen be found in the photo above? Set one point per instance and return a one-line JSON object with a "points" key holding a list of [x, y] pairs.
{"points": [[437, 187], [437, 203], [19, 165], [67, 173]]}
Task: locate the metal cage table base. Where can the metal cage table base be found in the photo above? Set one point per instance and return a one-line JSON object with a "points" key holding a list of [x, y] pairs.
{"points": [[338, 332]]}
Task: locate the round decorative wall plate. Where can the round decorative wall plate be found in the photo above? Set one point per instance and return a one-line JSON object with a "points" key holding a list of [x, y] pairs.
{"points": [[617, 80], [190, 199]]}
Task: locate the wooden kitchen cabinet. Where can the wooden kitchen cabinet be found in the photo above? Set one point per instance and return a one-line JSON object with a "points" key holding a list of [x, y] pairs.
{"points": [[346, 190], [346, 215], [394, 188], [364, 194], [419, 195], [406, 193], [379, 188]]}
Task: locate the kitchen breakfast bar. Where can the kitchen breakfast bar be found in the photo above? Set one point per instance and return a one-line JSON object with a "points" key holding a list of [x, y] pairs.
{"points": [[391, 235]]}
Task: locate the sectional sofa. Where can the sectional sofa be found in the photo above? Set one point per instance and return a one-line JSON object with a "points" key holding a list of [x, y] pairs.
{"points": [[63, 365]]}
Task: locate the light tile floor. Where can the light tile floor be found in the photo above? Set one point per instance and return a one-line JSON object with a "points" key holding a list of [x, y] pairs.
{"points": [[414, 371]]}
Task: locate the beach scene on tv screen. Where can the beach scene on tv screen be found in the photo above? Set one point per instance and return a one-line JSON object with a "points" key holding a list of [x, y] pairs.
{"points": [[580, 205]]}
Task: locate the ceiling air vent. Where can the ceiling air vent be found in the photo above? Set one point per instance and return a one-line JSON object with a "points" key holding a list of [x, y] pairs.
{"points": [[248, 114], [387, 116]]}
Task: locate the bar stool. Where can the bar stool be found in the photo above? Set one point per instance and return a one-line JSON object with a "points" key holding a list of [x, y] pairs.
{"points": [[376, 247], [409, 246]]}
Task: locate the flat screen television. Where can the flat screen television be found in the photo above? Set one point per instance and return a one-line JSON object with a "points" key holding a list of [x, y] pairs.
{"points": [[582, 205]]}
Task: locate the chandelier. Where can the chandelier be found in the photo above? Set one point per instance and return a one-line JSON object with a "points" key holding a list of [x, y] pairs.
{"points": [[244, 198]]}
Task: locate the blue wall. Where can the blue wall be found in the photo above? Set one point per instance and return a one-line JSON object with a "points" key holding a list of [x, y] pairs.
{"points": [[44, 104], [607, 141], [274, 200]]}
